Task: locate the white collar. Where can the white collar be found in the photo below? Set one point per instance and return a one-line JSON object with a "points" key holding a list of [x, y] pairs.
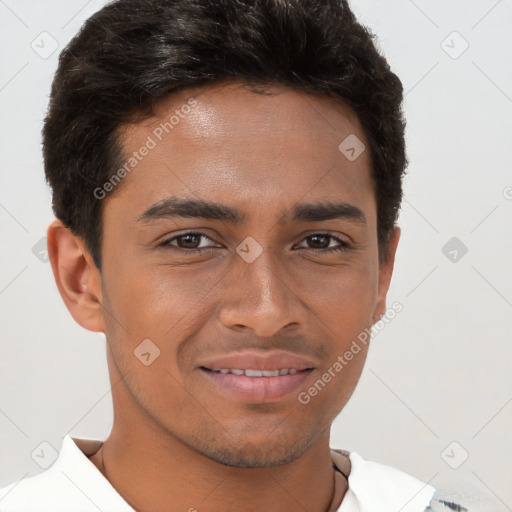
{"points": [[374, 487]]}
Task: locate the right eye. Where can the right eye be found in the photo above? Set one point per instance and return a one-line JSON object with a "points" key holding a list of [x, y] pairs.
{"points": [[187, 242]]}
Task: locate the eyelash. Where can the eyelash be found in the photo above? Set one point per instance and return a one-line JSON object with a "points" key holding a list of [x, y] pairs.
{"points": [[344, 246]]}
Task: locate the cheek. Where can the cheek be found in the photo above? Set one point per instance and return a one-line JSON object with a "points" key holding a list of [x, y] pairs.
{"points": [[152, 300], [341, 308], [343, 296]]}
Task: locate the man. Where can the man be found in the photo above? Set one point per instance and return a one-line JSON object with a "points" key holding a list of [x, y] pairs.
{"points": [[226, 178]]}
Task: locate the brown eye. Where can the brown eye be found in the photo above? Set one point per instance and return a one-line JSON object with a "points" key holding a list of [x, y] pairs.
{"points": [[325, 242], [319, 241], [191, 242], [188, 241]]}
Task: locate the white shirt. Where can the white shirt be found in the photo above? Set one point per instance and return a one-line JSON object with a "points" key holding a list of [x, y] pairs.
{"points": [[74, 484]]}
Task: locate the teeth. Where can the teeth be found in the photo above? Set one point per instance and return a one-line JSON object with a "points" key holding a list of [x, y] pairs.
{"points": [[256, 373], [253, 373]]}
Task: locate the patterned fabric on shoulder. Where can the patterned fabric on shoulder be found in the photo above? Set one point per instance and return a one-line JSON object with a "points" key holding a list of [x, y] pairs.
{"points": [[464, 497]]}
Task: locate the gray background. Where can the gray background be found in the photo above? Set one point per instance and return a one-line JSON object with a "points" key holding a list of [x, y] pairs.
{"points": [[439, 373]]}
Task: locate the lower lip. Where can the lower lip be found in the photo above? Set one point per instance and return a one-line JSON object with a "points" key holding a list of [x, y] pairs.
{"points": [[258, 389]]}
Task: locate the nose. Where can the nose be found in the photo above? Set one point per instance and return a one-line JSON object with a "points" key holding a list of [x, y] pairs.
{"points": [[260, 296]]}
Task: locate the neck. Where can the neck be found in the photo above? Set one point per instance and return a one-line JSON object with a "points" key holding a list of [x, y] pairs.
{"points": [[172, 477]]}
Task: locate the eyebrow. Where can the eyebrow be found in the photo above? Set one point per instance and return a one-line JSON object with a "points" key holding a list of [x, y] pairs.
{"points": [[170, 207], [180, 207]]}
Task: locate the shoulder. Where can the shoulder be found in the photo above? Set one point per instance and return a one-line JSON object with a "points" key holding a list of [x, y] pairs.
{"points": [[72, 482], [376, 486], [463, 496], [28, 493]]}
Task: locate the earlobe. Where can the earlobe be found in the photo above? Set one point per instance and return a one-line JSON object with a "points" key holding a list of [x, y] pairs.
{"points": [[77, 278], [385, 273]]}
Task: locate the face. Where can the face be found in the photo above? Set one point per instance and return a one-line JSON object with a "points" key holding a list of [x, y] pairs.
{"points": [[242, 239]]}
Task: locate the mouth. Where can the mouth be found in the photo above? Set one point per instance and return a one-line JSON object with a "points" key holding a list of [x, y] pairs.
{"points": [[256, 373], [254, 385]]}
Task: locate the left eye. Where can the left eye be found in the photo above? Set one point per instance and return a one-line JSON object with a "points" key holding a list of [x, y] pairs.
{"points": [[323, 241]]}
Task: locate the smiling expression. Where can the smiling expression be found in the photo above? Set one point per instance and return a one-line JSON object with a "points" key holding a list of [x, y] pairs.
{"points": [[243, 244]]}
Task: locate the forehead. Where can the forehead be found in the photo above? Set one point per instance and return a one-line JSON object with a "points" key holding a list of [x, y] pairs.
{"points": [[228, 142], [231, 107]]}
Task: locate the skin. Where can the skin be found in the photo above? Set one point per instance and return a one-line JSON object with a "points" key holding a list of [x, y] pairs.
{"points": [[178, 442]]}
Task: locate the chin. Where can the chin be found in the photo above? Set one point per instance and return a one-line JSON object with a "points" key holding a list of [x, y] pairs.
{"points": [[261, 455]]}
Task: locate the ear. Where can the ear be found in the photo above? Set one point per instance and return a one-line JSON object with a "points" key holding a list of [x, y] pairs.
{"points": [[385, 273], [77, 277]]}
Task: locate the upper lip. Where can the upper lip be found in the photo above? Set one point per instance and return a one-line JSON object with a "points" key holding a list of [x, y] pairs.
{"points": [[258, 360]]}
